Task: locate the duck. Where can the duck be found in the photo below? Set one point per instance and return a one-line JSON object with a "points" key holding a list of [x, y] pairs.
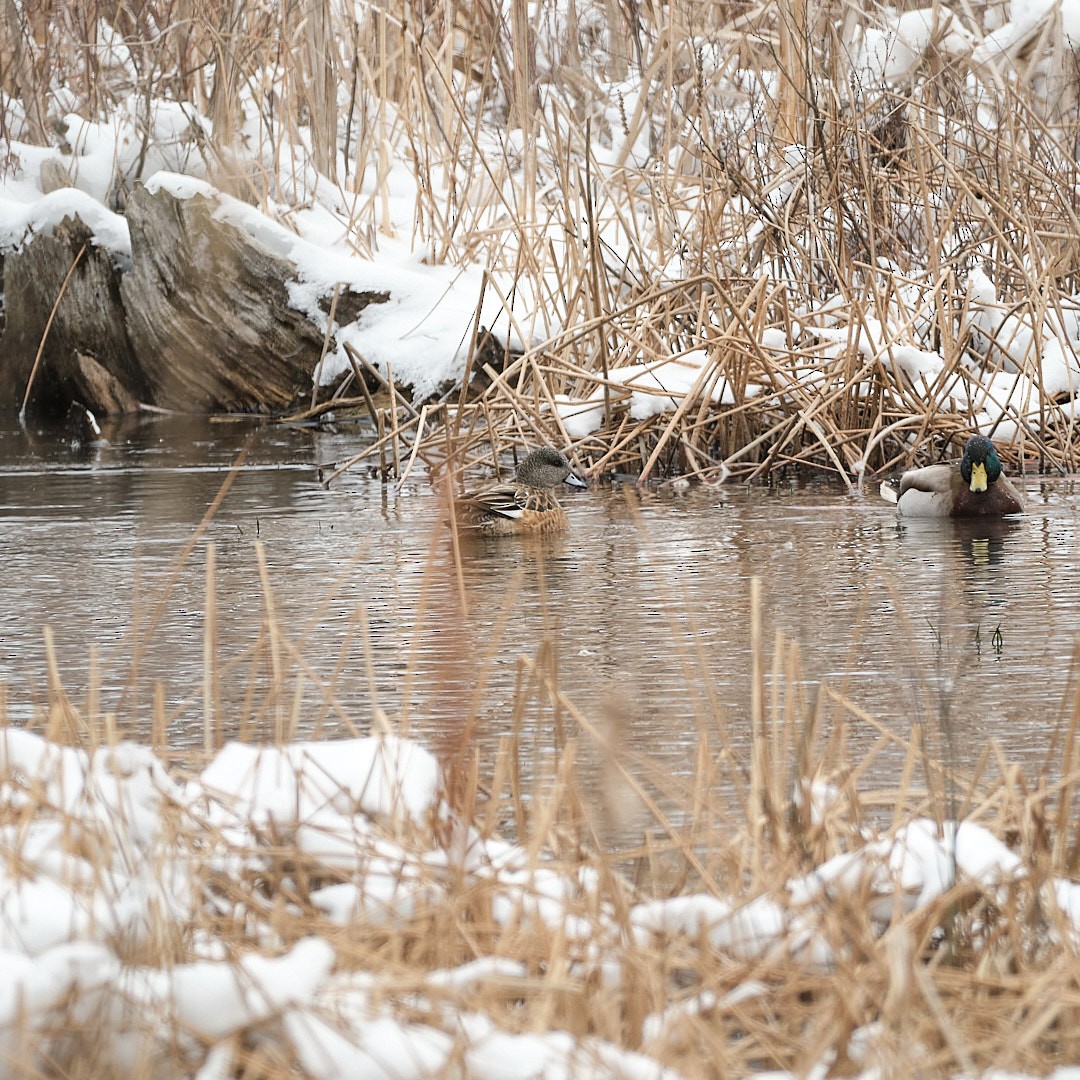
{"points": [[977, 487], [528, 505]]}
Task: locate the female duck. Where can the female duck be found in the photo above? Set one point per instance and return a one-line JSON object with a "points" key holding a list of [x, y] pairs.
{"points": [[978, 488], [528, 505]]}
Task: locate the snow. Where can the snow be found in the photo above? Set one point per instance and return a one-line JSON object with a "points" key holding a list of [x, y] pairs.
{"points": [[19, 221], [67, 925], [381, 1048], [384, 777], [213, 1000], [650, 389], [377, 236], [892, 53]]}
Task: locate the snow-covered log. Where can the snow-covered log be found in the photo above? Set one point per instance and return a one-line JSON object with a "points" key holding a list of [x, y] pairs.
{"points": [[199, 319], [87, 356]]}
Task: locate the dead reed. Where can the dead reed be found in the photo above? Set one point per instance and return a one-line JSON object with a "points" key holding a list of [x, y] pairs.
{"points": [[715, 302], [720, 246], [982, 974]]}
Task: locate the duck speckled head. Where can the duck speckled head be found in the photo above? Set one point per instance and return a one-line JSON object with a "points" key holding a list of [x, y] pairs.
{"points": [[546, 467]]}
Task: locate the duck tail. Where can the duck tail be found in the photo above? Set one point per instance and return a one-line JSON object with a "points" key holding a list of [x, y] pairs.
{"points": [[890, 491]]}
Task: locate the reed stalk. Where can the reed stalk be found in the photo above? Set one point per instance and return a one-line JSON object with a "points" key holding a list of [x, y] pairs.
{"points": [[974, 978]]}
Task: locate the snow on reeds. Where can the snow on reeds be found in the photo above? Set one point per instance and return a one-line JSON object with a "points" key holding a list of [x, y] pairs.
{"points": [[681, 238], [359, 907], [704, 238]]}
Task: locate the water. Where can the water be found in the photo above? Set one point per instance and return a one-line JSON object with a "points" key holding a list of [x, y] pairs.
{"points": [[640, 616]]}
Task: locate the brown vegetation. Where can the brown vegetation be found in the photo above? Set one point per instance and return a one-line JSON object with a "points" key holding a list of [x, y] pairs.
{"points": [[986, 974], [643, 198]]}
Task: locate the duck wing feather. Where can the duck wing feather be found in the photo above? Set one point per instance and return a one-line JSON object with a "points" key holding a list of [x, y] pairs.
{"points": [[932, 478]]}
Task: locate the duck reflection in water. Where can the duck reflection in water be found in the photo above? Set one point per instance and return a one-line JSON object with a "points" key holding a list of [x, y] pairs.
{"points": [[984, 542]]}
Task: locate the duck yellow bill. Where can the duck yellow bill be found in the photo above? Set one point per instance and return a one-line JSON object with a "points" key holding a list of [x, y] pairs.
{"points": [[978, 477]]}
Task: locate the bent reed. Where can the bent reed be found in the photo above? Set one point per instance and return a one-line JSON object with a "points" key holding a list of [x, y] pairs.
{"points": [[982, 975], [656, 182]]}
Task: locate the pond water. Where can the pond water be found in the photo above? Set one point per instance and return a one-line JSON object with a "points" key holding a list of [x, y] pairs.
{"points": [[640, 615]]}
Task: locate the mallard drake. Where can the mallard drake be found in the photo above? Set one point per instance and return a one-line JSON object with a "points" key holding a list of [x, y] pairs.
{"points": [[978, 488], [528, 505]]}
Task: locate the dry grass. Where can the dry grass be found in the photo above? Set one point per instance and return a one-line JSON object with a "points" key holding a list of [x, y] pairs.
{"points": [[648, 231], [631, 174], [983, 975]]}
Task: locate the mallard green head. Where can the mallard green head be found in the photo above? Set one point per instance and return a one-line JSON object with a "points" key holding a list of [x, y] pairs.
{"points": [[980, 466]]}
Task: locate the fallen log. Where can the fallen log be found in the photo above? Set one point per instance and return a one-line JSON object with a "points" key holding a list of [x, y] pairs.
{"points": [[198, 320]]}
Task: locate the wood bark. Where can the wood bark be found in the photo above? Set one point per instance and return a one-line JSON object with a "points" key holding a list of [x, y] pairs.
{"points": [[199, 320], [88, 322]]}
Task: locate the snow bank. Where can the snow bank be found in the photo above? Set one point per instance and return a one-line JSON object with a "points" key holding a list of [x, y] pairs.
{"points": [[113, 862]]}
